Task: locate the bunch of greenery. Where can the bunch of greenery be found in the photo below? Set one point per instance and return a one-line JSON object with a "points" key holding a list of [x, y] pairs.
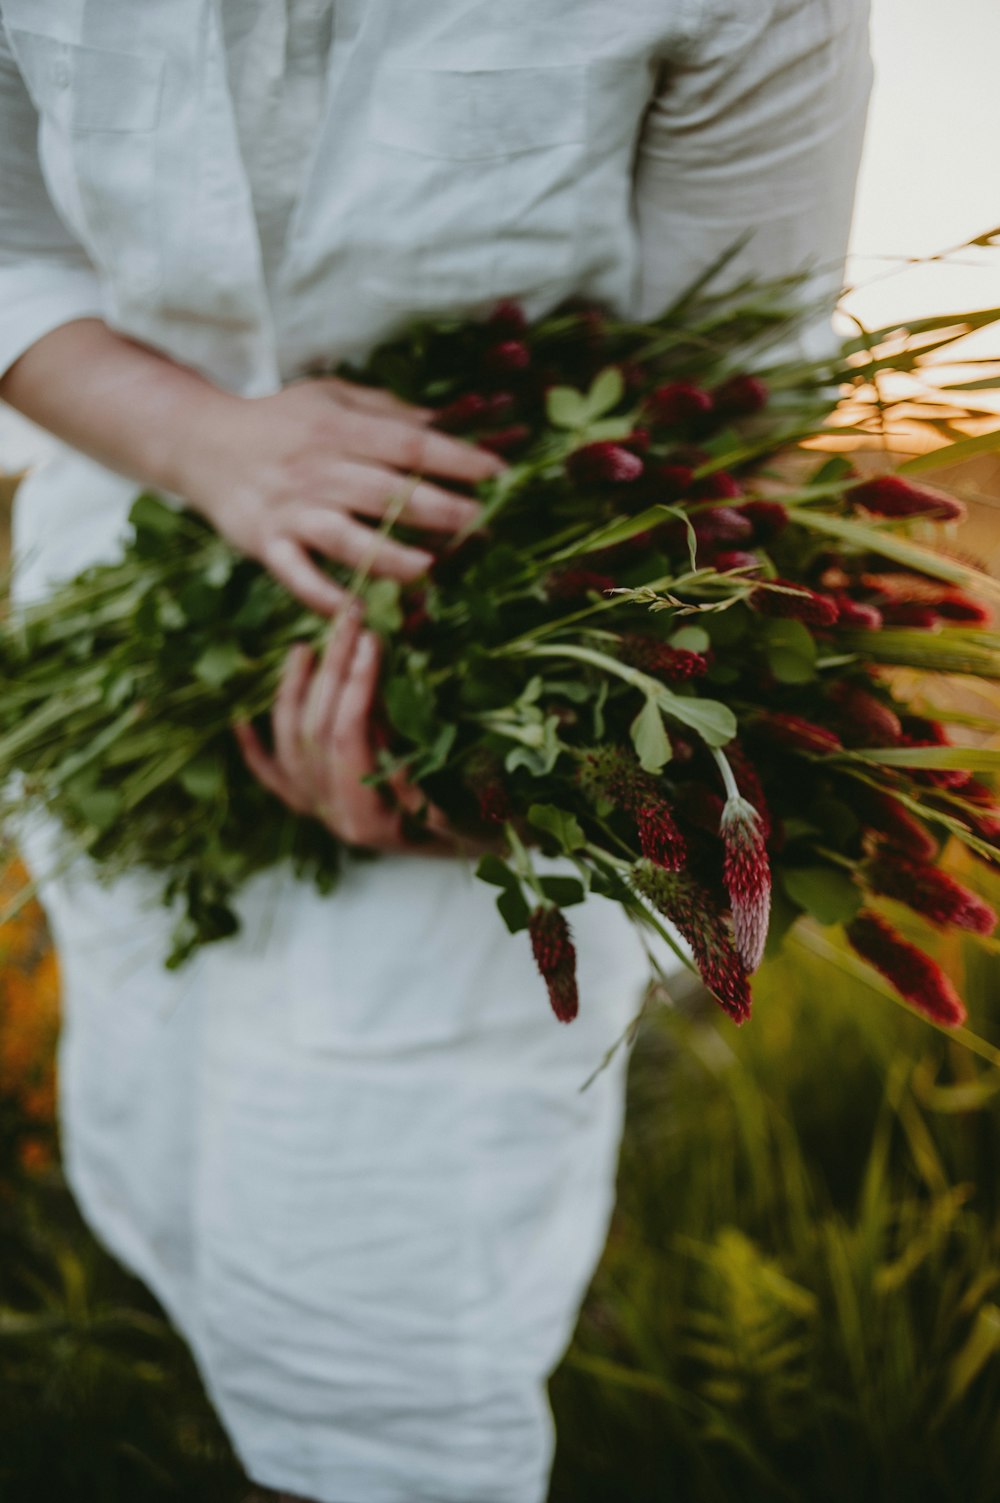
{"points": [[660, 656]]}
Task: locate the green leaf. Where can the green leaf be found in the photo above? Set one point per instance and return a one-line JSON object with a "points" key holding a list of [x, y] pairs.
{"points": [[219, 662], [791, 651], [204, 777], [952, 454], [565, 891], [691, 638], [496, 872], [150, 513], [100, 807], [606, 391], [561, 825], [513, 909], [714, 721], [967, 758], [383, 612], [409, 702], [826, 892], [649, 737], [565, 408]]}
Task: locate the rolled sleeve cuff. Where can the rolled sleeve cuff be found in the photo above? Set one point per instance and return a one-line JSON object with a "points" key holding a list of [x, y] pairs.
{"points": [[37, 298]]}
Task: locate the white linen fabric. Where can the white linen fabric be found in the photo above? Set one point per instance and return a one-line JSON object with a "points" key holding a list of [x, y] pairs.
{"points": [[348, 1149]]}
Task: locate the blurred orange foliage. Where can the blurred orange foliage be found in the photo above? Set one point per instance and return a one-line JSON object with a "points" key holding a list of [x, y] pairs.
{"points": [[29, 1022]]}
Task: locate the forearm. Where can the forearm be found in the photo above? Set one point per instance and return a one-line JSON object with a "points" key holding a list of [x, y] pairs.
{"points": [[119, 402]]}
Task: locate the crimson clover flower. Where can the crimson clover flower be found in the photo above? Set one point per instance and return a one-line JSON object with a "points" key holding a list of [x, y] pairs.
{"points": [[677, 403], [650, 655], [892, 496], [603, 463], [928, 890], [555, 956], [804, 605], [747, 875], [914, 975], [691, 907]]}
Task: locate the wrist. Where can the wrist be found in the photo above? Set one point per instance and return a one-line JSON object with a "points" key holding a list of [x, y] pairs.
{"points": [[190, 451]]}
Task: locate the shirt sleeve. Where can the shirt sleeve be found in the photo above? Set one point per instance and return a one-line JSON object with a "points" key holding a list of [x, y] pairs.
{"points": [[756, 130], [46, 278]]}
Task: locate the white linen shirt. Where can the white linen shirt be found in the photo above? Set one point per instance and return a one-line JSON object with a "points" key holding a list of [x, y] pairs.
{"points": [[466, 151]]}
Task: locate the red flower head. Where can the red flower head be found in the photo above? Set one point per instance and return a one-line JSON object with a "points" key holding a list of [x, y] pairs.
{"points": [[678, 403], [509, 357], [740, 396], [928, 890], [768, 518], [721, 524], [577, 584], [659, 838], [612, 773], [866, 721], [473, 410], [672, 482], [720, 486], [886, 817], [734, 558], [909, 613], [915, 975], [699, 919], [956, 606], [603, 463], [918, 730], [652, 656], [555, 957], [892, 496], [503, 440], [483, 777], [747, 876], [857, 613], [804, 605], [508, 318], [799, 734]]}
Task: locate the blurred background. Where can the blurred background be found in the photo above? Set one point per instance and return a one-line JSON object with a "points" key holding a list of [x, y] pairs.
{"points": [[800, 1297]]}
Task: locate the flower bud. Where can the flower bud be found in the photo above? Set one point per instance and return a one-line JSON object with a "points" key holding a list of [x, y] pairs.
{"points": [[603, 463], [678, 403]]}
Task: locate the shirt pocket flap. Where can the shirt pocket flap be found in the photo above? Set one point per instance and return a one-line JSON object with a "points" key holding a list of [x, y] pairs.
{"points": [[475, 114], [90, 88]]}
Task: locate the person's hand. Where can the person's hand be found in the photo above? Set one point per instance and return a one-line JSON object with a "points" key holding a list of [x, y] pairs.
{"points": [[289, 475], [322, 746]]}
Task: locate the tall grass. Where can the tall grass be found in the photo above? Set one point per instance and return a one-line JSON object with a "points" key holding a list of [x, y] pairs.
{"points": [[801, 1296]]}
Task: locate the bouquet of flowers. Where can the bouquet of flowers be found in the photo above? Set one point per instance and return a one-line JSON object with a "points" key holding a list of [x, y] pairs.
{"points": [[669, 653]]}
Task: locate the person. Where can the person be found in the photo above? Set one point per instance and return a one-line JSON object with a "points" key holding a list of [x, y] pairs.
{"points": [[348, 1149]]}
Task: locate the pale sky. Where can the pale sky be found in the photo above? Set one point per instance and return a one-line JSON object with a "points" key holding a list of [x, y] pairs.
{"points": [[930, 174]]}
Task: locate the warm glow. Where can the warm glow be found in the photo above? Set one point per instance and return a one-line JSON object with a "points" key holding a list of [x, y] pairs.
{"points": [[930, 177]]}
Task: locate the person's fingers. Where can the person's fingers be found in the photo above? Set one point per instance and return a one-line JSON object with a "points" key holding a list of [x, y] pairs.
{"points": [[374, 399], [321, 702], [291, 565], [286, 714], [339, 536], [362, 816], [264, 768], [420, 450], [372, 491]]}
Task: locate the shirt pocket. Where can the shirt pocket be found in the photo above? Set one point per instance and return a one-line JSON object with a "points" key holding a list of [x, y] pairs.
{"points": [[475, 182], [99, 110]]}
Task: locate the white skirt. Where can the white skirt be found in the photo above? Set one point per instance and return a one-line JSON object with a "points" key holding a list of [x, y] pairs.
{"points": [[348, 1149]]}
